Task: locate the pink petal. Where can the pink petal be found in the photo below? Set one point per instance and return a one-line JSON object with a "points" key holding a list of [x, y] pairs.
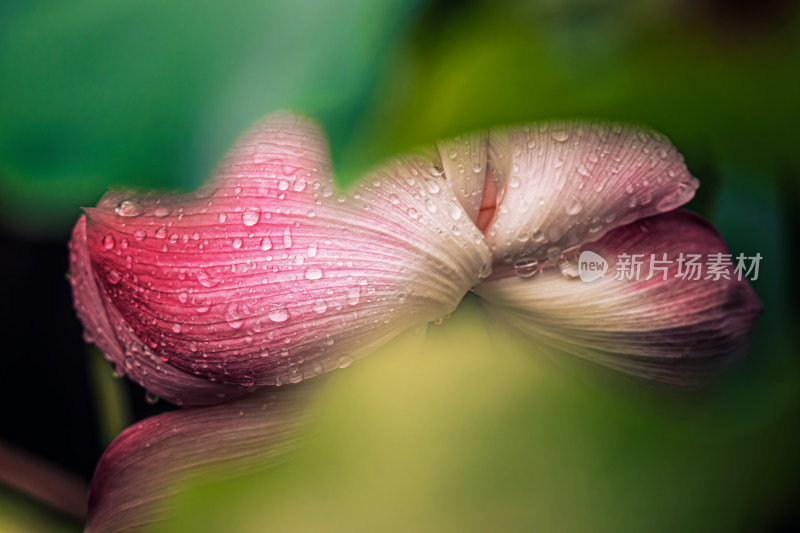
{"points": [[674, 330], [562, 184], [268, 275], [464, 162], [143, 467]]}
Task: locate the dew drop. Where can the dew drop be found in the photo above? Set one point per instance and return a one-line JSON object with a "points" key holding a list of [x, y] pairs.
{"points": [[139, 234], [560, 135], [206, 280], [176, 327], [233, 317], [287, 237], [108, 242], [183, 297], [114, 277], [320, 306], [129, 208], [223, 217], [161, 233], [568, 267], [266, 244], [237, 243], [574, 205], [344, 361], [250, 216], [526, 267], [162, 211], [313, 273], [353, 296], [151, 398], [278, 313], [312, 250]]}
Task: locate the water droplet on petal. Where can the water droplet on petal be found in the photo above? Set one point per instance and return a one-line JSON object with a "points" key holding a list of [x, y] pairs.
{"points": [[287, 237], [526, 267], [206, 280], [176, 327], [278, 313], [250, 216], [161, 233], [162, 211], [151, 398], [574, 205], [320, 306], [560, 135], [237, 243], [313, 273], [568, 267], [114, 277], [353, 296], [139, 234], [129, 208], [108, 242], [344, 361], [266, 244]]}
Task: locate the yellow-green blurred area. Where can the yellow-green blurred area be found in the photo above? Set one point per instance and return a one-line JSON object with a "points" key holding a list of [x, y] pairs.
{"points": [[474, 428], [468, 428]]}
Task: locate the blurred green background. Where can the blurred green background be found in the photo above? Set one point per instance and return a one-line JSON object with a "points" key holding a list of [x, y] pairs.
{"points": [[456, 435]]}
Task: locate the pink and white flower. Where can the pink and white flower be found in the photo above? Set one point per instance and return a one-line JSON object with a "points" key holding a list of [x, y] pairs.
{"points": [[269, 275]]}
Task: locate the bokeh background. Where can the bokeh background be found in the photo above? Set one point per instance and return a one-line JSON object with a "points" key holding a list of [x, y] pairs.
{"points": [[475, 429]]}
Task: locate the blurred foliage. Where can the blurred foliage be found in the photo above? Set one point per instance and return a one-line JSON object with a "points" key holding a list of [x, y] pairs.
{"points": [[20, 515], [147, 94], [470, 432]]}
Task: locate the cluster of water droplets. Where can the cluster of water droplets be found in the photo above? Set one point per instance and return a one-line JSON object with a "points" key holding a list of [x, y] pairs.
{"points": [[565, 184]]}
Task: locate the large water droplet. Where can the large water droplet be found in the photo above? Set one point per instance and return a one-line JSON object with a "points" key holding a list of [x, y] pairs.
{"points": [[237, 243], [353, 296], [114, 277], [278, 313], [266, 244], [250, 216], [526, 267], [206, 280], [108, 242], [313, 273], [233, 316], [568, 267], [161, 233], [344, 361], [682, 193], [574, 205], [129, 208], [162, 211], [320, 306], [560, 135], [139, 234]]}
